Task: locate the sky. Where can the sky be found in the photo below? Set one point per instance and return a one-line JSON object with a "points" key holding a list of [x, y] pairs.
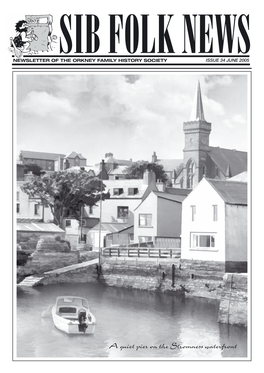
{"points": [[130, 116]]}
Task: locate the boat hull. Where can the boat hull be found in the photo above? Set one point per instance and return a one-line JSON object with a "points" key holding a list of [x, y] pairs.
{"points": [[73, 326]]}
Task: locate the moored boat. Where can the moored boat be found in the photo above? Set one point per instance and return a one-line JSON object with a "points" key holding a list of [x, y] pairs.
{"points": [[72, 315]]}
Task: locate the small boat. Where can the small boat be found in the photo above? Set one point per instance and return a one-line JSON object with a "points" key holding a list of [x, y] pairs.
{"points": [[72, 315]]}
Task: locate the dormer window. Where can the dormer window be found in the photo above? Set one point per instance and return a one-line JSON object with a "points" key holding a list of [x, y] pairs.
{"points": [[132, 191], [118, 191]]}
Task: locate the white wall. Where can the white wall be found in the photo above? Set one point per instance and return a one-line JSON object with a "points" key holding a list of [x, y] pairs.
{"points": [[149, 206], [203, 197], [27, 206], [109, 210]]}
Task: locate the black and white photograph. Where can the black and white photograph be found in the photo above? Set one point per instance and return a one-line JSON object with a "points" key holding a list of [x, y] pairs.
{"points": [[133, 188], [132, 216]]}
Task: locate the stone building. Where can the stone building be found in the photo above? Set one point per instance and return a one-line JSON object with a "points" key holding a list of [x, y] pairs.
{"points": [[52, 161], [199, 158]]}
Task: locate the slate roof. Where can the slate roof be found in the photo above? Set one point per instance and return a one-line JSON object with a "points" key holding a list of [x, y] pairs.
{"points": [[129, 229], [178, 191], [74, 155], [29, 220], [41, 155], [240, 177], [170, 197], [38, 227], [233, 159], [125, 184], [232, 192], [112, 227]]}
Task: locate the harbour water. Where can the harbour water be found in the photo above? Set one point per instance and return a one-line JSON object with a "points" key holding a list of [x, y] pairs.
{"points": [[131, 324]]}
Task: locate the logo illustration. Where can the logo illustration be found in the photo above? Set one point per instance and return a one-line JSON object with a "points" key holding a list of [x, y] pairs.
{"points": [[33, 35]]}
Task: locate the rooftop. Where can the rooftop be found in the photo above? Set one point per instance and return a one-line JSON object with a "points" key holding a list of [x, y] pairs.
{"points": [[74, 155], [243, 177], [38, 227], [233, 160], [112, 227], [170, 197], [41, 155], [232, 192]]}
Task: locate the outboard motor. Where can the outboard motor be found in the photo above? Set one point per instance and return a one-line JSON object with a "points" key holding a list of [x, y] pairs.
{"points": [[82, 321]]}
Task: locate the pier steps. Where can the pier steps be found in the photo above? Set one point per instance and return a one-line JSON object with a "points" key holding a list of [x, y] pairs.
{"points": [[30, 281], [35, 280]]}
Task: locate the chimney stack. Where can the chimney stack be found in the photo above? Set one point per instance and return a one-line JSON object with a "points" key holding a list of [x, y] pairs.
{"points": [[148, 177], [154, 157]]}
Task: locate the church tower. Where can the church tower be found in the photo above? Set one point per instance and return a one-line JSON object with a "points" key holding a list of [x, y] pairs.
{"points": [[197, 131]]}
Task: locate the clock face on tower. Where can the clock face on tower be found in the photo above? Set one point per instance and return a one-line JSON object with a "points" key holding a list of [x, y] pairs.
{"points": [[203, 140]]}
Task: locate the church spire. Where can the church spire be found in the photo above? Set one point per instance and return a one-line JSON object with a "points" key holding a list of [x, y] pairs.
{"points": [[197, 110]]}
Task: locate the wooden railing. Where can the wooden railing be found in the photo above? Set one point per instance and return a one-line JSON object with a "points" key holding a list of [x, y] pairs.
{"points": [[142, 252]]}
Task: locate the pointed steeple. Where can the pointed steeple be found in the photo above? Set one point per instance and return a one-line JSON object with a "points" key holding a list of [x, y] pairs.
{"points": [[228, 171], [197, 110]]}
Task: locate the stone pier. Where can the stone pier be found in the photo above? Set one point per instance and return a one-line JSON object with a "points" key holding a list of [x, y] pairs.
{"points": [[234, 299]]}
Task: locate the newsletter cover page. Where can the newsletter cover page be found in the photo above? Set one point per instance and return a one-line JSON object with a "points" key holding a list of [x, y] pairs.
{"points": [[130, 135]]}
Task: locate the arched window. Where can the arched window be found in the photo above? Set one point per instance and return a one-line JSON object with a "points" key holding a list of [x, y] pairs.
{"points": [[190, 173], [181, 182], [204, 170]]}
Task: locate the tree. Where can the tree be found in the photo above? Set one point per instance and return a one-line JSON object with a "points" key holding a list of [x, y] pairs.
{"points": [[65, 191], [137, 169]]}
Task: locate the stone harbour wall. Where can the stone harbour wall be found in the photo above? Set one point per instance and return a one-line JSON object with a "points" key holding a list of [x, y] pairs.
{"points": [[191, 278], [81, 275], [201, 278], [131, 273], [234, 299], [194, 278]]}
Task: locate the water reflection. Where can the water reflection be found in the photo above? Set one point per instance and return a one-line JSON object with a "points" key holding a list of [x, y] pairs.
{"points": [[130, 324]]}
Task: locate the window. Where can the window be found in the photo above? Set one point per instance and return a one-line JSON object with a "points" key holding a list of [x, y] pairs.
{"points": [[144, 239], [122, 212], [68, 223], [110, 237], [132, 191], [131, 237], [202, 240], [17, 196], [36, 209], [18, 208], [215, 212], [193, 212], [91, 210], [145, 220], [118, 191], [190, 174]]}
